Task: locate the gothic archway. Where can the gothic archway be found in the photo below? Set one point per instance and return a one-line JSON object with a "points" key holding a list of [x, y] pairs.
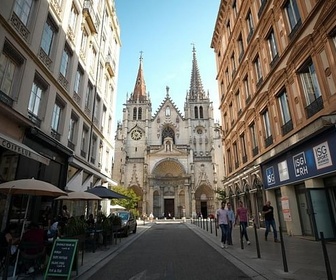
{"points": [[205, 203]]}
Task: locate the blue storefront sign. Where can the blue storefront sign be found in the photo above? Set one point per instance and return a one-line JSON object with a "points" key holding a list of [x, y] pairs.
{"points": [[311, 159]]}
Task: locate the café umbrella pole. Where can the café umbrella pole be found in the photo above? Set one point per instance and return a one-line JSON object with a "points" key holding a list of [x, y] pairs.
{"points": [[22, 231]]}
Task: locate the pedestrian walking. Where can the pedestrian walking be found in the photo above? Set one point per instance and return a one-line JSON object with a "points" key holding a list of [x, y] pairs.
{"points": [[268, 213], [223, 223], [242, 218], [231, 222]]}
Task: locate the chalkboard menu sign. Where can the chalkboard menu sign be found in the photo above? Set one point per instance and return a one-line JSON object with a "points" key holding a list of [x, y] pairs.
{"points": [[61, 258]]}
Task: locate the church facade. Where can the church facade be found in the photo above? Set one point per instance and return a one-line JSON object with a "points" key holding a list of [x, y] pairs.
{"points": [[172, 161]]}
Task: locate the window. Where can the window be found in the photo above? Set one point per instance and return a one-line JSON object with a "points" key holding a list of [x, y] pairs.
{"points": [[234, 8], [254, 139], [78, 79], [196, 112], [103, 120], [247, 89], [37, 95], [88, 97], [267, 128], [10, 64], [257, 69], [93, 149], [228, 26], [134, 113], [272, 45], [243, 147], [72, 134], [7, 71], [84, 143], [140, 113], [235, 154], [48, 35], [286, 120], [311, 88], [96, 112], [233, 63], [22, 9], [93, 59], [201, 112], [109, 125], [231, 115], [65, 61], [250, 27], [84, 40], [56, 116], [73, 17], [238, 102], [240, 47], [229, 160], [293, 15]]}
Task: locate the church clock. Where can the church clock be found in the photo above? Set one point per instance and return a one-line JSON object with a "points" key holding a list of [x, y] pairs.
{"points": [[136, 134]]}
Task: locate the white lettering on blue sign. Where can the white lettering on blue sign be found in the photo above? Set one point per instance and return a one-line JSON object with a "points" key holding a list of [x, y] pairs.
{"points": [[322, 155], [270, 176], [300, 165]]}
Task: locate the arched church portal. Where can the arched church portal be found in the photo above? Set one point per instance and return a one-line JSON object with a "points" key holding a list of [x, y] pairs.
{"points": [[205, 203], [169, 196]]}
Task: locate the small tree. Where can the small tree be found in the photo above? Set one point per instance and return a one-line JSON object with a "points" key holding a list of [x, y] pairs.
{"points": [[221, 194], [130, 203]]}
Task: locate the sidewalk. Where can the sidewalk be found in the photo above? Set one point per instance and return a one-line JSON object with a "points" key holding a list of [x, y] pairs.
{"points": [[304, 256]]}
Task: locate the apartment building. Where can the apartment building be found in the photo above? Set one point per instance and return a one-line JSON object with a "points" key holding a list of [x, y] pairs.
{"points": [[276, 75], [58, 79]]}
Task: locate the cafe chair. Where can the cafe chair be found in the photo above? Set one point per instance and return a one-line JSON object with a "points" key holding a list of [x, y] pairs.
{"points": [[32, 257]]}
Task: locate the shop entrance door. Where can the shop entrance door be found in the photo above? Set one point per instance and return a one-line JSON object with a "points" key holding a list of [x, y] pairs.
{"points": [[304, 212]]}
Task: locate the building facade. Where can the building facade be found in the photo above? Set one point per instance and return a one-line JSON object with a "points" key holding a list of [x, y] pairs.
{"points": [[171, 161], [276, 75], [58, 78]]}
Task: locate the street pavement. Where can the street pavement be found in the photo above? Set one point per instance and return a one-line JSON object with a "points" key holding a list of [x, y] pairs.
{"points": [[304, 256]]}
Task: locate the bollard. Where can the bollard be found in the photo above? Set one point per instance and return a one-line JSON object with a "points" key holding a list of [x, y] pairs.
{"points": [[257, 240], [216, 227], [284, 259], [203, 223], [326, 258], [211, 226], [207, 226], [241, 237]]}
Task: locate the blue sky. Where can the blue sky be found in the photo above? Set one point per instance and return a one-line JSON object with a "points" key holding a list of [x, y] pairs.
{"points": [[164, 31]]}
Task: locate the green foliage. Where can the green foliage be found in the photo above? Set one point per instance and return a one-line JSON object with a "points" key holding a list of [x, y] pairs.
{"points": [[221, 194], [129, 204], [75, 226]]}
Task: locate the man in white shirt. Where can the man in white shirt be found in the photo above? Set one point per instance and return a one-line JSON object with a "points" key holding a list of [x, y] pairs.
{"points": [[223, 223]]}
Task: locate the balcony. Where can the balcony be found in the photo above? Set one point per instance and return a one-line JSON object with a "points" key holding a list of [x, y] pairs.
{"points": [[35, 119], [314, 107], [83, 154], [19, 26], [71, 145], [268, 141], [90, 16], [4, 98], [287, 127], [63, 81], [110, 65], [55, 134], [255, 151], [44, 58]]}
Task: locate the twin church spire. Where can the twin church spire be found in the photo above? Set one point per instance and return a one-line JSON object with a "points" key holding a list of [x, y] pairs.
{"points": [[196, 91]]}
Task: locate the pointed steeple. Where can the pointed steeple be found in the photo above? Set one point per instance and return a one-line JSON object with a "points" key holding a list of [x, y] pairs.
{"points": [[139, 92], [196, 91]]}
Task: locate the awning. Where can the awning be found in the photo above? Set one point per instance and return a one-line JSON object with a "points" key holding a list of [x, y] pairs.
{"points": [[18, 147]]}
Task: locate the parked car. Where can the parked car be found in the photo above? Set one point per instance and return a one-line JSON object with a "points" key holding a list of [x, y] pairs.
{"points": [[128, 222]]}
